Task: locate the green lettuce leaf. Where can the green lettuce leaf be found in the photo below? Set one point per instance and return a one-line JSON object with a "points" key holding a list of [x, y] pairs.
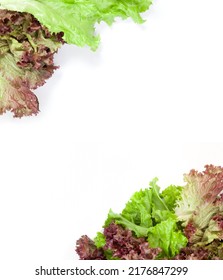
{"points": [[163, 215], [120, 220], [139, 208], [147, 207], [100, 240], [171, 195], [157, 200], [77, 18], [166, 236]]}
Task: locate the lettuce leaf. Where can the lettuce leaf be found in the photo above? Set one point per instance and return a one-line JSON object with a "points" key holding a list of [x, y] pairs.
{"points": [[26, 61], [157, 200], [171, 195], [139, 208], [200, 201], [139, 231], [165, 235], [100, 240]]}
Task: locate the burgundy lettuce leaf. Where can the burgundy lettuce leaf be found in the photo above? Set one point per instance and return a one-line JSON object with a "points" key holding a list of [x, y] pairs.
{"points": [[126, 246], [212, 251], [192, 253], [87, 250], [26, 61]]}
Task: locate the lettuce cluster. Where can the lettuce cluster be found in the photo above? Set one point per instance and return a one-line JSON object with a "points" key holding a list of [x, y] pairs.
{"points": [[181, 222], [32, 31]]}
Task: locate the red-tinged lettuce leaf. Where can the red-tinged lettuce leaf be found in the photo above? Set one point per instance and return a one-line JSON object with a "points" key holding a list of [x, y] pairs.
{"points": [[17, 97], [26, 61], [200, 201], [202, 189], [16, 85], [214, 230]]}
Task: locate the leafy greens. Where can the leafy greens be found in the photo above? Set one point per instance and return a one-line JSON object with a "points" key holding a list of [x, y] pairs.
{"points": [[177, 223]]}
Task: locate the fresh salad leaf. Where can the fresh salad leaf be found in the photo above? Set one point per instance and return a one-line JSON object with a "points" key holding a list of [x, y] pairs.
{"points": [[181, 222], [139, 231], [166, 236], [158, 202], [100, 240], [139, 208], [171, 195]]}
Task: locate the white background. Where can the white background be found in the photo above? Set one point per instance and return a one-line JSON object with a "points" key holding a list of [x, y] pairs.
{"points": [[147, 103]]}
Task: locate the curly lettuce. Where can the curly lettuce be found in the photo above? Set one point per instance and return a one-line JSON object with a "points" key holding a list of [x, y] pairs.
{"points": [[201, 206]]}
